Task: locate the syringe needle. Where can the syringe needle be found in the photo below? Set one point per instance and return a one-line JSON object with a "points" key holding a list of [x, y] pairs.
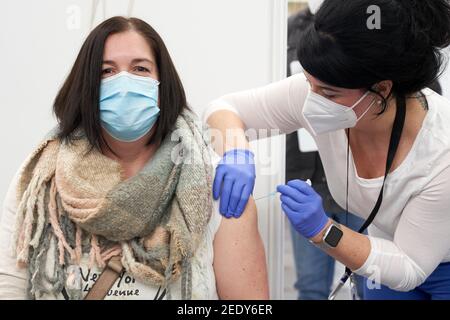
{"points": [[267, 196], [275, 192]]}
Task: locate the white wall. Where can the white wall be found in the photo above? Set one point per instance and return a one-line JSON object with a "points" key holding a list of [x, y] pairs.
{"points": [[445, 78], [218, 46]]}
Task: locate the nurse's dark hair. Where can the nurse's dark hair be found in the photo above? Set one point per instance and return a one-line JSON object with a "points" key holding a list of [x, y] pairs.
{"points": [[77, 103], [340, 48]]}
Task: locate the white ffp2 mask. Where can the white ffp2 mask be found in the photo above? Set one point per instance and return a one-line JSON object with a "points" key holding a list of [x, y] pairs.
{"points": [[324, 115]]}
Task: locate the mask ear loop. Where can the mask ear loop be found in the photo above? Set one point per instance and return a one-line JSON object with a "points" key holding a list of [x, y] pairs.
{"points": [[365, 112], [359, 101]]}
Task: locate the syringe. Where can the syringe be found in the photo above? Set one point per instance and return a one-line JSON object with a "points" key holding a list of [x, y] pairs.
{"points": [[274, 193]]}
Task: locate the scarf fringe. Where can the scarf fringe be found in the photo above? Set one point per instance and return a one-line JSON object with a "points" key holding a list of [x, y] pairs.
{"points": [[95, 254], [54, 221], [24, 222], [40, 217]]}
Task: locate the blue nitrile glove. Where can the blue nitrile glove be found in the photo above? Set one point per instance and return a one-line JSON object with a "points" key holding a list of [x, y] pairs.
{"points": [[303, 206], [234, 181]]}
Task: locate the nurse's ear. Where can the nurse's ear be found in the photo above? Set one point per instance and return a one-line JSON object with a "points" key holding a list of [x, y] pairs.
{"points": [[384, 88]]}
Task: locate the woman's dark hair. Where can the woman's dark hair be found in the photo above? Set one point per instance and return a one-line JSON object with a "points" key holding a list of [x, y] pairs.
{"points": [[297, 24], [77, 103], [340, 48]]}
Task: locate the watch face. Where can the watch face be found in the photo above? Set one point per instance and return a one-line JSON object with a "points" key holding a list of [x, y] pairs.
{"points": [[334, 236]]}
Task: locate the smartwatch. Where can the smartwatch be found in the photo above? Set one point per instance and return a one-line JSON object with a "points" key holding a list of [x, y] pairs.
{"points": [[331, 237]]}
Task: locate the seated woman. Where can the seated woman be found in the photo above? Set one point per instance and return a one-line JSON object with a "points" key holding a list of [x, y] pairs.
{"points": [[126, 173]]}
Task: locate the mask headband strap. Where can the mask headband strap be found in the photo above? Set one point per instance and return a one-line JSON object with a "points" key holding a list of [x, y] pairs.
{"points": [[365, 112], [361, 99]]}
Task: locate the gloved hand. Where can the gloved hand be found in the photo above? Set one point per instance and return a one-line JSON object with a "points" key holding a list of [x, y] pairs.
{"points": [[303, 206], [234, 181]]}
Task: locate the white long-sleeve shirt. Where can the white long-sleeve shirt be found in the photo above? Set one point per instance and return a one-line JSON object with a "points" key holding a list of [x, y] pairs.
{"points": [[414, 218]]}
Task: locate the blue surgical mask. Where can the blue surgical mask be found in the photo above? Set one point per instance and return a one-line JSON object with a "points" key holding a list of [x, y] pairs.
{"points": [[128, 106]]}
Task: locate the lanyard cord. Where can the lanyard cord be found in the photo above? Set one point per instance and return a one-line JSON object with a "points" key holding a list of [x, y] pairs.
{"points": [[346, 188], [396, 134]]}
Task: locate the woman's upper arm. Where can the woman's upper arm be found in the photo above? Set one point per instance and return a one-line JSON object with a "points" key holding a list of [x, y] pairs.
{"points": [[423, 232], [239, 258], [277, 106], [421, 241], [12, 279]]}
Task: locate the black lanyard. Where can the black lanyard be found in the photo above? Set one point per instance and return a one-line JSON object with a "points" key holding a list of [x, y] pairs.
{"points": [[396, 134]]}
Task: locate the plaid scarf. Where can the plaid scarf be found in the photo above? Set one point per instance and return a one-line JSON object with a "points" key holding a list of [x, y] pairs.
{"points": [[73, 201]]}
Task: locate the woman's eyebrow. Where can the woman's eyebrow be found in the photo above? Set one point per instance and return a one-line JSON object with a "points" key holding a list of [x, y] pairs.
{"points": [[109, 62], [324, 86], [328, 88], [139, 60], [134, 61]]}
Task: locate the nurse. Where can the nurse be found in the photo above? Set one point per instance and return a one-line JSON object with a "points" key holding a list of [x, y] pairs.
{"points": [[383, 136]]}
